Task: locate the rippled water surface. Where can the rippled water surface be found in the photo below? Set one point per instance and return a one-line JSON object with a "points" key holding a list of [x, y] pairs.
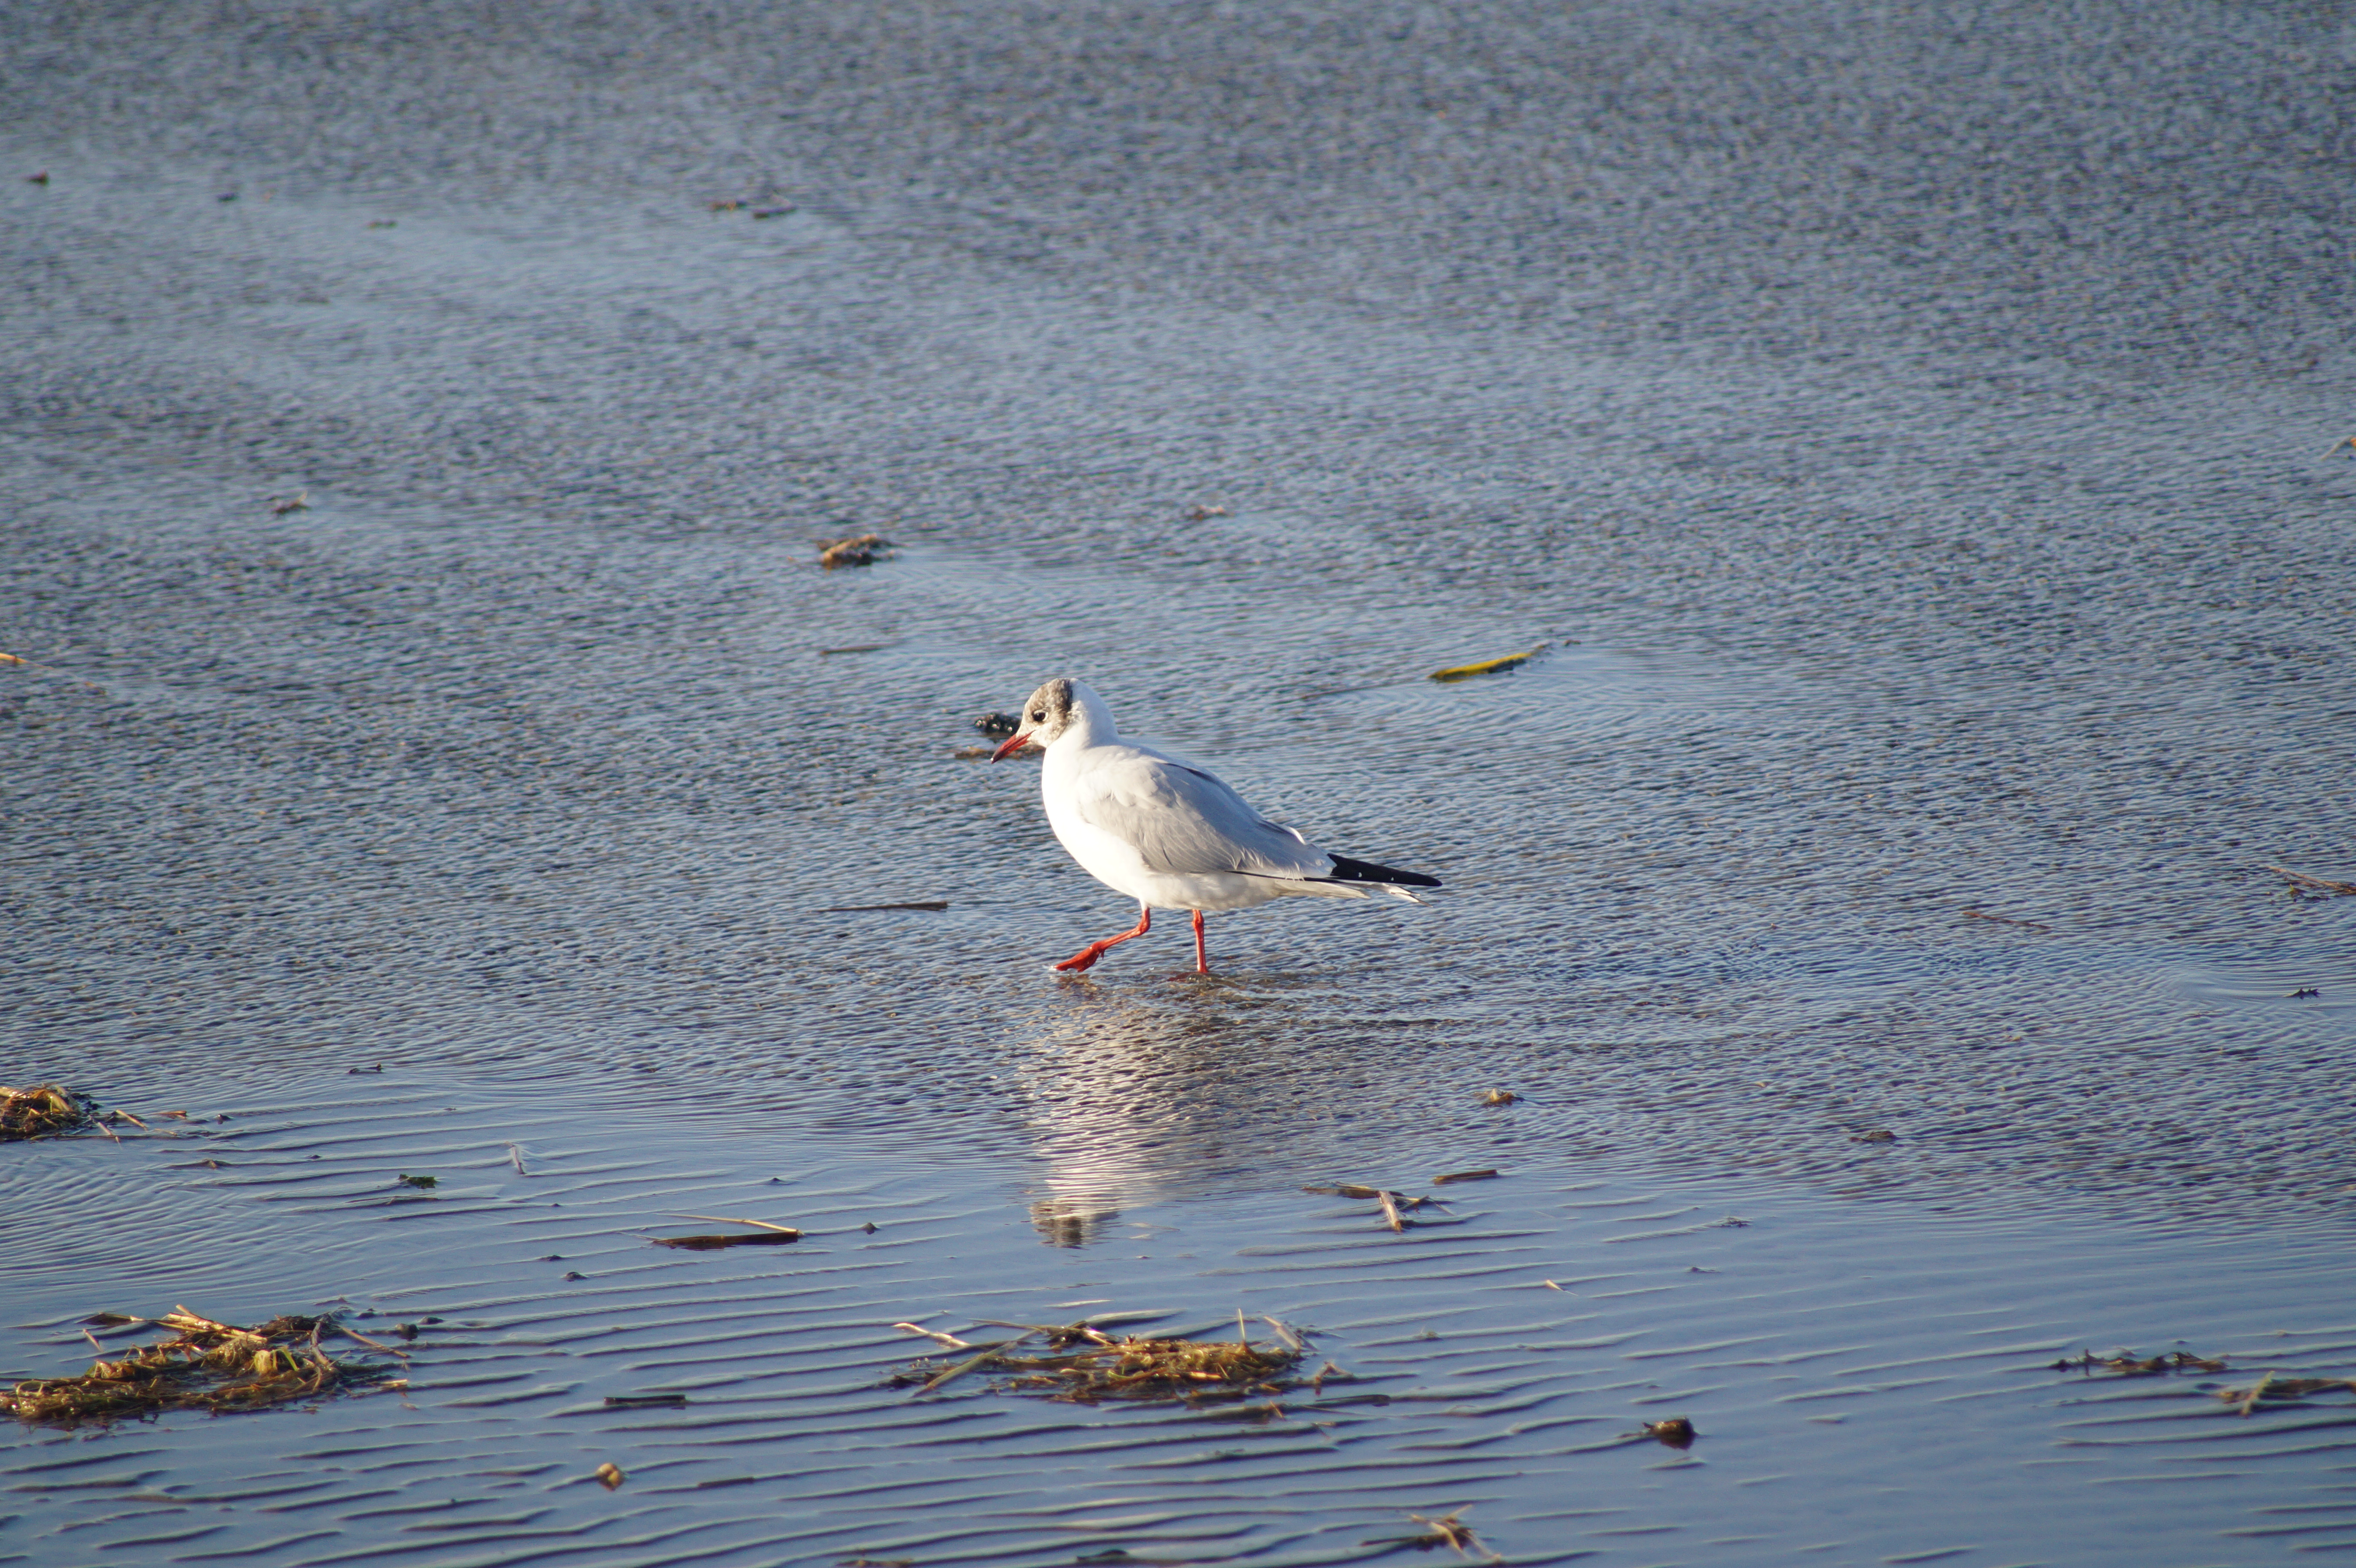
{"points": [[1907, 446]]}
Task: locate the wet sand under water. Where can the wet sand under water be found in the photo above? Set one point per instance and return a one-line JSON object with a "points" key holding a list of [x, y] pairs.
{"points": [[1942, 642]]}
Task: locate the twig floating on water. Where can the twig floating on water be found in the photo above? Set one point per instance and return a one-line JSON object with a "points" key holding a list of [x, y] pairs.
{"points": [[949, 1341], [1462, 1175], [759, 1225], [878, 909], [770, 1235], [986, 1354], [2321, 884], [1448, 1529]]}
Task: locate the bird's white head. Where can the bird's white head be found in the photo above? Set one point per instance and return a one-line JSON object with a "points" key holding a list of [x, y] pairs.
{"points": [[1057, 708]]}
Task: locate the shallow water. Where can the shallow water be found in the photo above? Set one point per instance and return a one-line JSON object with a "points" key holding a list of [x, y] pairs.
{"points": [[1870, 1380], [1925, 695]]}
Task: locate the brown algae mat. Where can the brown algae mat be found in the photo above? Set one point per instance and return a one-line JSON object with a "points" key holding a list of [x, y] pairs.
{"points": [[204, 1365], [1083, 1364]]}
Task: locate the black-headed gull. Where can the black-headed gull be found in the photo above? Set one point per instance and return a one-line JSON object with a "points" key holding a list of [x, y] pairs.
{"points": [[1166, 833]]}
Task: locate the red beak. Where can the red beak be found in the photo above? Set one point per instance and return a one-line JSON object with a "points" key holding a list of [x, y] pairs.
{"points": [[1012, 744]]}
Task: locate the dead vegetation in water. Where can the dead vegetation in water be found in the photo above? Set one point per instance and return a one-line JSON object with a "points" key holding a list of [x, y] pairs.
{"points": [[765, 1234], [2301, 882], [204, 1365], [2127, 1364], [2272, 1389], [1447, 1529], [43, 1110], [1394, 1206], [1078, 1364], [860, 549]]}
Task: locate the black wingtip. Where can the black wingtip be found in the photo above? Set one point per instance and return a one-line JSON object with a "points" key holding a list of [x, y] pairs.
{"points": [[1348, 870]]}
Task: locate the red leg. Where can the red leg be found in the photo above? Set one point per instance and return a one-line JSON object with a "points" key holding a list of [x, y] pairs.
{"points": [[1095, 950], [1202, 959]]}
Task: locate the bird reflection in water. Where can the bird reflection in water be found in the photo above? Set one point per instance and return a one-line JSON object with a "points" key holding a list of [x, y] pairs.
{"points": [[1134, 1103]]}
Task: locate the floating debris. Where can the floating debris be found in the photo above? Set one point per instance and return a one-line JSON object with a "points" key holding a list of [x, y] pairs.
{"points": [[281, 505], [2126, 1364], [1083, 1364], [863, 550], [1874, 1135], [768, 1235], [206, 1365], [1499, 1097], [2270, 1387], [767, 212], [725, 206], [998, 726], [1204, 514], [853, 648], [44, 1111], [384, 223], [424, 1183], [2315, 884], [974, 753], [41, 178], [1392, 1202], [607, 1475], [646, 1401], [1463, 1175], [1449, 1529], [2306, 991], [1487, 667], [2007, 920], [1677, 1432], [878, 909]]}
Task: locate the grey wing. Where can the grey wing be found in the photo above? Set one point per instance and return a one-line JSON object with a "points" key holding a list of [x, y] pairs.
{"points": [[1185, 822]]}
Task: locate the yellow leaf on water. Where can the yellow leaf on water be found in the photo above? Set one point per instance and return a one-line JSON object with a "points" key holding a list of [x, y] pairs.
{"points": [[1487, 667]]}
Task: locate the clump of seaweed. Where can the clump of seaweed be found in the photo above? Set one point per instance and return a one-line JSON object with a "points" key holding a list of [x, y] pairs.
{"points": [[205, 1365], [43, 1110], [1082, 1364]]}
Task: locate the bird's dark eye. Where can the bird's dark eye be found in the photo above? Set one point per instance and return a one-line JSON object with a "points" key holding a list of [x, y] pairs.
{"points": [[1038, 716]]}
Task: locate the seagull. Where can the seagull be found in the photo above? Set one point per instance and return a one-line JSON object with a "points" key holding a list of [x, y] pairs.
{"points": [[1166, 833]]}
